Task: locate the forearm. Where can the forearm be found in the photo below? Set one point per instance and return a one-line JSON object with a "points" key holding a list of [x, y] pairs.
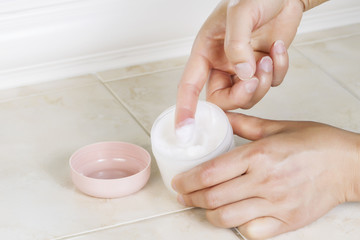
{"points": [[308, 4]]}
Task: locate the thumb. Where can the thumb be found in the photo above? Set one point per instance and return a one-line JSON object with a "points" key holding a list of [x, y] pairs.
{"points": [[253, 128]]}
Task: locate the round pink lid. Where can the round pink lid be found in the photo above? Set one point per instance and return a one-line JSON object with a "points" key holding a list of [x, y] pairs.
{"points": [[110, 169]]}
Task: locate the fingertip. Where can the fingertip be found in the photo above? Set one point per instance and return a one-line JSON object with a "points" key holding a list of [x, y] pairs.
{"points": [[245, 71], [182, 115], [280, 58], [279, 47], [251, 85], [266, 64], [185, 130]]}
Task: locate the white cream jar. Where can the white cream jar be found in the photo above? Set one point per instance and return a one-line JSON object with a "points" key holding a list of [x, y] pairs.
{"points": [[212, 137]]}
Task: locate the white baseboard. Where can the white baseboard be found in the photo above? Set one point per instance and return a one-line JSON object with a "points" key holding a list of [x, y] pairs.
{"points": [[91, 63], [94, 63], [316, 21]]}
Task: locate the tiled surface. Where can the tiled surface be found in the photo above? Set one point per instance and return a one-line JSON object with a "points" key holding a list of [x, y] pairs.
{"points": [[139, 70], [42, 125], [339, 58], [343, 222], [308, 93], [39, 133], [46, 87], [147, 96], [188, 225]]}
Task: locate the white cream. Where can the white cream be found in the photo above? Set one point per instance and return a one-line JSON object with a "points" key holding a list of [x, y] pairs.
{"points": [[212, 135]]}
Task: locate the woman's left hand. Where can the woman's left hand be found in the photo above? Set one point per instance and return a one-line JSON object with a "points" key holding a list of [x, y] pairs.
{"points": [[289, 176]]}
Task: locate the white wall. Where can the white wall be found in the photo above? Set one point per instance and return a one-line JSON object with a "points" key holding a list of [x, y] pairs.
{"points": [[42, 40]]}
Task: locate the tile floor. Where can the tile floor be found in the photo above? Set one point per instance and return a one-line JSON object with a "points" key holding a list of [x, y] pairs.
{"points": [[42, 125]]}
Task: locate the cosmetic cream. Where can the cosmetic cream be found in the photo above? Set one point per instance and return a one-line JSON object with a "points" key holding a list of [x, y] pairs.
{"points": [[211, 135]]}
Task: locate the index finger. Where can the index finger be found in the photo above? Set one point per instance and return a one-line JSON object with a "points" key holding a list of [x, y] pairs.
{"points": [[192, 82], [211, 173]]}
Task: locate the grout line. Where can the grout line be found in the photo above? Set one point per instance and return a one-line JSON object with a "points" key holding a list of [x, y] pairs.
{"points": [[343, 86], [122, 103], [238, 233], [140, 74], [120, 224]]}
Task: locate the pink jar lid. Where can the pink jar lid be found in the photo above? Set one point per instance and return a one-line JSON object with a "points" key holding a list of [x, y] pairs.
{"points": [[110, 169]]}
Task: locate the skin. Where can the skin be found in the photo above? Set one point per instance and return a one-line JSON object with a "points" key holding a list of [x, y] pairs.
{"points": [[293, 172], [238, 32], [290, 175]]}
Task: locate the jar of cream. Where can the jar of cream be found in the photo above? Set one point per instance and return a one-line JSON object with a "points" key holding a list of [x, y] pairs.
{"points": [[212, 136]]}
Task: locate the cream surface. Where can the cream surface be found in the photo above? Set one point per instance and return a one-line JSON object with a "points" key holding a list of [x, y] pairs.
{"points": [[196, 142], [208, 131]]}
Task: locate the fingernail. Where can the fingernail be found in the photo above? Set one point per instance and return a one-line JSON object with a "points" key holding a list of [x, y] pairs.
{"points": [[244, 71], [251, 85], [185, 132], [180, 199], [266, 64], [279, 46]]}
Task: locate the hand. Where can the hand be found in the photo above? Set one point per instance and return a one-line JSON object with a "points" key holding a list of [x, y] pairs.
{"points": [[293, 173], [238, 37]]}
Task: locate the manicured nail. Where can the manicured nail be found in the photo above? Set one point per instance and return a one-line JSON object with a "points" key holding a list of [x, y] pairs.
{"points": [[181, 200], [279, 46], [244, 71], [266, 64], [251, 85], [186, 131]]}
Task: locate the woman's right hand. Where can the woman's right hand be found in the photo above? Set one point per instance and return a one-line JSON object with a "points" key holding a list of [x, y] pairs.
{"points": [[240, 51]]}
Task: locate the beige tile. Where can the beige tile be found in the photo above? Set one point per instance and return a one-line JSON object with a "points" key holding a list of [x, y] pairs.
{"points": [[190, 224], [52, 86], [39, 133], [307, 93], [343, 222], [141, 69], [340, 58], [149, 95], [328, 34]]}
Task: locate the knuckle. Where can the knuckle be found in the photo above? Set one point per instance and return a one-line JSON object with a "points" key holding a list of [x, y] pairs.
{"points": [[224, 218], [278, 188], [260, 130], [276, 196], [257, 153], [233, 47], [206, 174], [189, 88], [211, 199]]}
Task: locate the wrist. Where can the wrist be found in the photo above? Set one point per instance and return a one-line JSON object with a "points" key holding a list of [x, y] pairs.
{"points": [[308, 4]]}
